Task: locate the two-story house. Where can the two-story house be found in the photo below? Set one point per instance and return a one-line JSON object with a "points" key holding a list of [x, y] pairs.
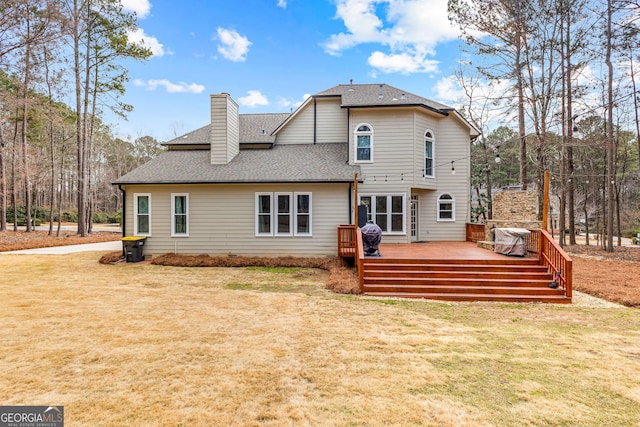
{"points": [[280, 184]]}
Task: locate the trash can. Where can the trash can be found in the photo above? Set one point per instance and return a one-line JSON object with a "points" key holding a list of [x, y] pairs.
{"points": [[132, 248], [511, 241]]}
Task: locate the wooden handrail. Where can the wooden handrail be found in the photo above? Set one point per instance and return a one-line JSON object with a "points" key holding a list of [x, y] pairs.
{"points": [[552, 256]]}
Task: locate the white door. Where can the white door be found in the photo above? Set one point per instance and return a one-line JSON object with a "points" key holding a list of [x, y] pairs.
{"points": [[415, 205]]}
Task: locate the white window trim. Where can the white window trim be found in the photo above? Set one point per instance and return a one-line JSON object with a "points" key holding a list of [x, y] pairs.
{"points": [[355, 143], [277, 215], [453, 208], [432, 139], [295, 214], [173, 215], [135, 214], [389, 212], [257, 213]]}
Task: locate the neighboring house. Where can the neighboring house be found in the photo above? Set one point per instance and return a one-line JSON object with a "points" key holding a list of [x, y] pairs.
{"points": [[280, 184]]}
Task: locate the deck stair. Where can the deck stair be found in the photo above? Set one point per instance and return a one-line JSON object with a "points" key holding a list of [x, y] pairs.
{"points": [[511, 279]]}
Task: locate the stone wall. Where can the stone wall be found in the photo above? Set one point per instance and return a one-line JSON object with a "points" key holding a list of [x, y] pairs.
{"points": [[513, 209], [515, 205]]}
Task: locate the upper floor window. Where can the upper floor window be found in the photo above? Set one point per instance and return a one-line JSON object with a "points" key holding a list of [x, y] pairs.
{"points": [[142, 214], [180, 214], [428, 153], [446, 208], [364, 143]]}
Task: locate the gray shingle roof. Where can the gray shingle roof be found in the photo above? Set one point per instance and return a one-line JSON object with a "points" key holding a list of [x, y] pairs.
{"points": [[251, 126], [364, 95], [282, 163]]}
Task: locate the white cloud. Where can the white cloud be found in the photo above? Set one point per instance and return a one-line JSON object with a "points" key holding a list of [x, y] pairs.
{"points": [[411, 29], [170, 87], [254, 99], [233, 46], [405, 63], [290, 103], [140, 7], [282, 4], [139, 37]]}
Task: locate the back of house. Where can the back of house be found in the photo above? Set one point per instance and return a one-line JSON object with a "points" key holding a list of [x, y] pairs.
{"points": [[280, 184]]}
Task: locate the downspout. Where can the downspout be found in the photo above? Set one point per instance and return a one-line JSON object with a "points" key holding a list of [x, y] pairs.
{"points": [[315, 120], [124, 215], [350, 202], [124, 209], [348, 132]]}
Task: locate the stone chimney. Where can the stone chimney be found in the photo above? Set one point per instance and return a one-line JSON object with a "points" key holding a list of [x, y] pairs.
{"points": [[225, 134]]}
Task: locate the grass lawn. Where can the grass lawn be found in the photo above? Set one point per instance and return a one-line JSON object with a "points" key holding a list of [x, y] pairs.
{"points": [[147, 345]]}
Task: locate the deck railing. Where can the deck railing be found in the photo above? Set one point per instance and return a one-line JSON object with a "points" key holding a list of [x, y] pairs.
{"points": [[555, 259], [475, 232], [346, 241]]}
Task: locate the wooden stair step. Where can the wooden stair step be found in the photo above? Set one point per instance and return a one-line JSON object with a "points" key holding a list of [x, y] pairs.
{"points": [[456, 289], [454, 267], [469, 297], [446, 281], [469, 274]]}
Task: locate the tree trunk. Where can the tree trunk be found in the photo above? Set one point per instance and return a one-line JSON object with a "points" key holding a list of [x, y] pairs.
{"points": [[609, 134]]}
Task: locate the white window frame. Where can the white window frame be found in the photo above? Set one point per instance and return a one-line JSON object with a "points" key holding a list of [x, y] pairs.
{"points": [[429, 139], [293, 214], [174, 233], [441, 202], [357, 133], [277, 214], [389, 213], [297, 214], [137, 232], [258, 214]]}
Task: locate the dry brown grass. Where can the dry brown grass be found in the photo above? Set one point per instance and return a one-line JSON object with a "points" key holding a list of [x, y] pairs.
{"points": [[149, 345]]}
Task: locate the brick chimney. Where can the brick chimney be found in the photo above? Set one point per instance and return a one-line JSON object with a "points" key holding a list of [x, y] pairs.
{"points": [[225, 135]]}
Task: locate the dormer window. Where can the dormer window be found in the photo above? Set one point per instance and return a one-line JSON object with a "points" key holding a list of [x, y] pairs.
{"points": [[364, 143]]}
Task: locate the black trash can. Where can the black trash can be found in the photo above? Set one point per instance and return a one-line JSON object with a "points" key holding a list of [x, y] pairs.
{"points": [[132, 248]]}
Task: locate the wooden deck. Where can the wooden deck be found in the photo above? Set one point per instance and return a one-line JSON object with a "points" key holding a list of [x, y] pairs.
{"points": [[461, 271], [439, 250]]}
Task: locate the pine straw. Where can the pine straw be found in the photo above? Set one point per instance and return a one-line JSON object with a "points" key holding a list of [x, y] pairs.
{"points": [[17, 240], [341, 280]]}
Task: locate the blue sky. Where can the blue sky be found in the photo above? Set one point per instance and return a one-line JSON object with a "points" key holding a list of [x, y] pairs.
{"points": [[270, 54]]}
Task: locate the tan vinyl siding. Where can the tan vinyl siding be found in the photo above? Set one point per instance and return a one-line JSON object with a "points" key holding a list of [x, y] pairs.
{"points": [[452, 143], [397, 168], [299, 130], [331, 125], [224, 129], [222, 220]]}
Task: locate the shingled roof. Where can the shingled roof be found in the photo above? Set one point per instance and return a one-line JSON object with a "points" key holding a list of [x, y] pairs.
{"points": [[282, 163], [251, 130], [377, 95]]}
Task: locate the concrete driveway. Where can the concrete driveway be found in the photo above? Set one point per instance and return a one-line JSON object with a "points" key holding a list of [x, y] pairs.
{"points": [[59, 250]]}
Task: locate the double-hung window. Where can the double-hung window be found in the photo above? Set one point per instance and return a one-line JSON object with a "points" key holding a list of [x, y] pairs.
{"points": [[364, 143], [386, 210], [428, 154], [283, 214], [180, 214], [142, 214], [446, 208]]}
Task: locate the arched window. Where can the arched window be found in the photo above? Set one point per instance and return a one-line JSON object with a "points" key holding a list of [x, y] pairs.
{"points": [[364, 143], [428, 154], [446, 208]]}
